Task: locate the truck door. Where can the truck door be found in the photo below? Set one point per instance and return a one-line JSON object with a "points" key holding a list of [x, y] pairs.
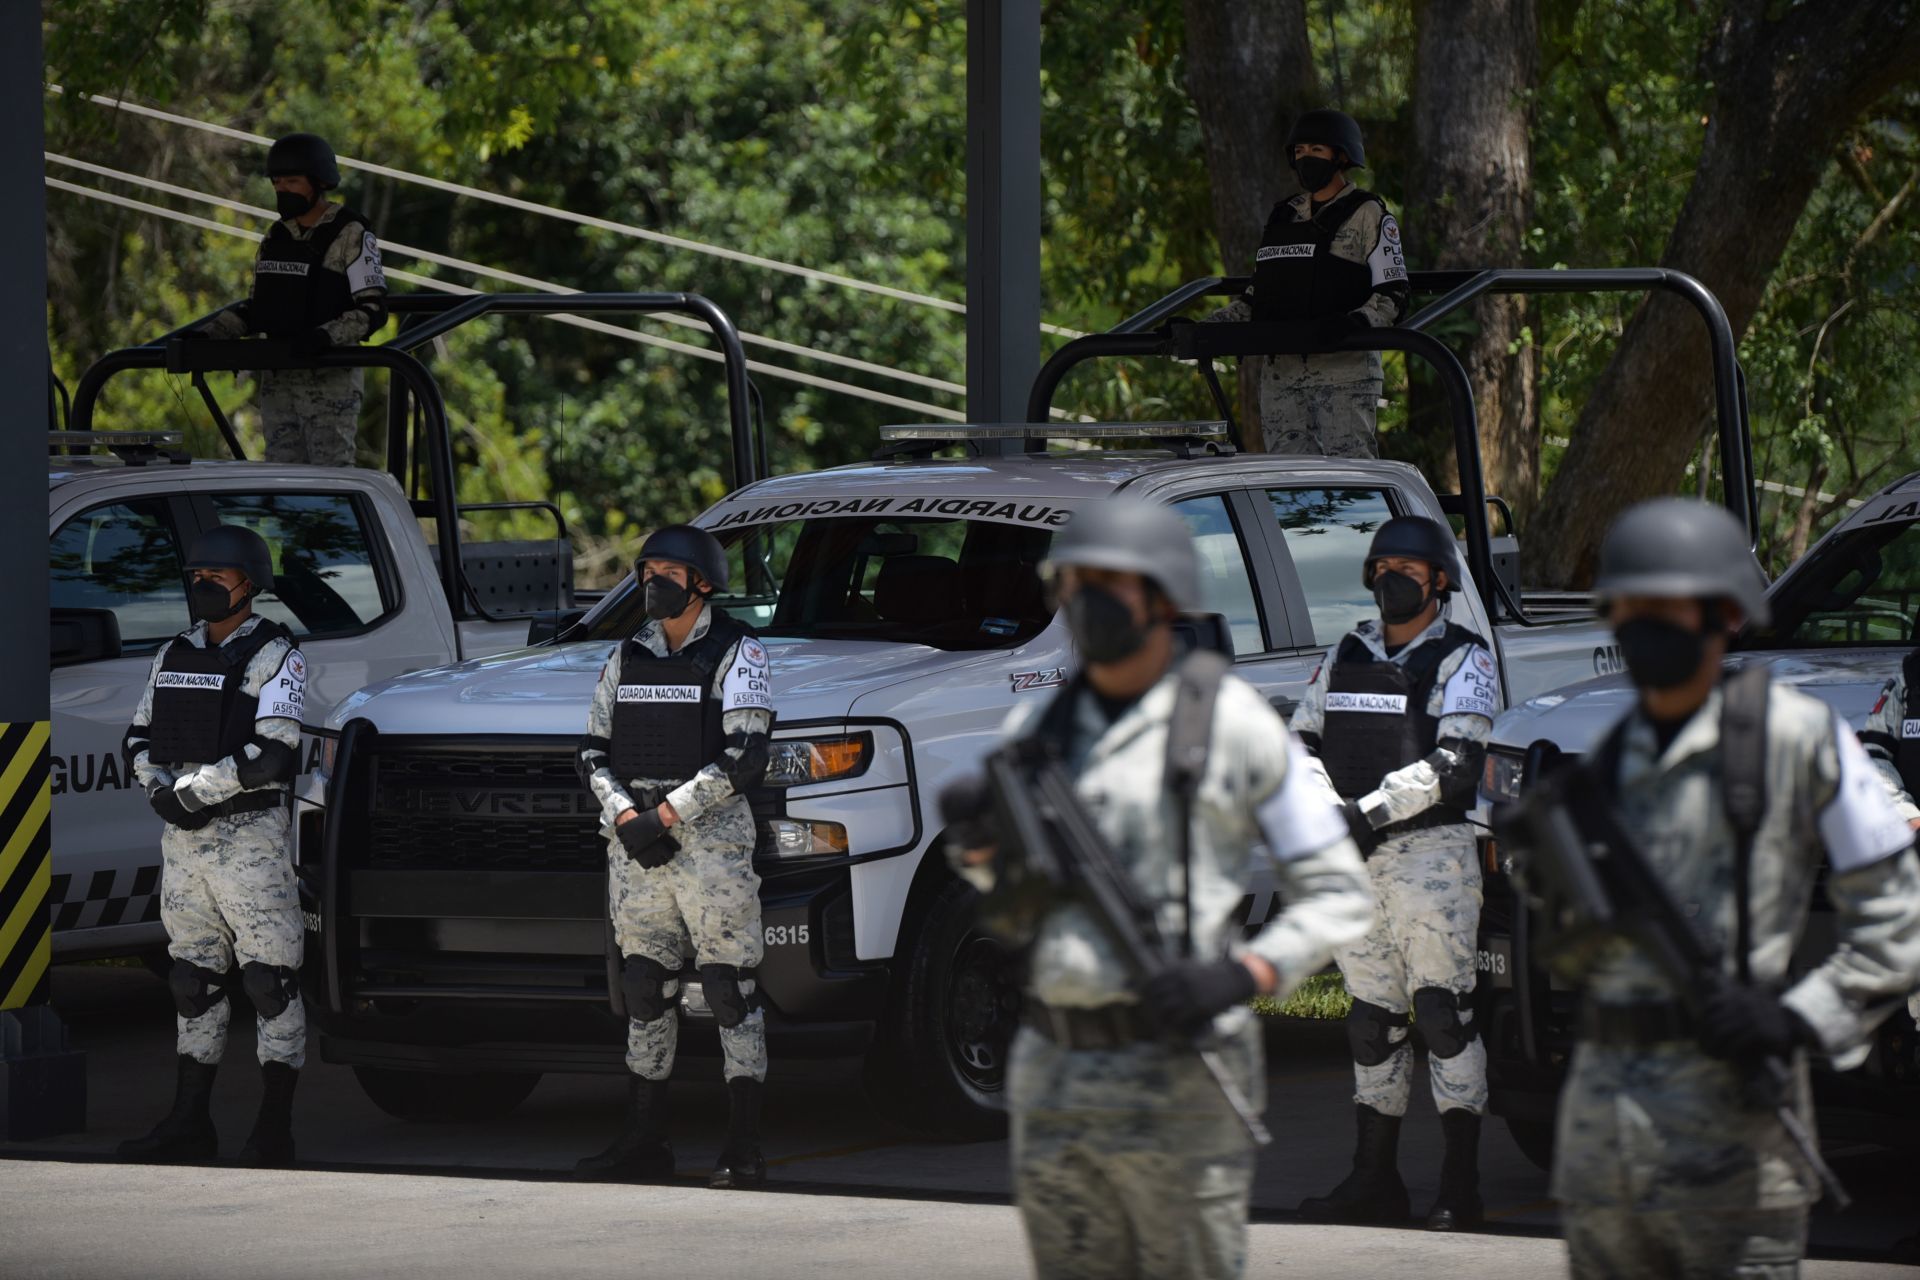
{"points": [[337, 588], [119, 560]]}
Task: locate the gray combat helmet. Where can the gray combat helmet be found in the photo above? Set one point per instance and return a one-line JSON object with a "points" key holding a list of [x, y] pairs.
{"points": [[232, 546], [304, 155], [1329, 128], [1127, 535], [1415, 538], [689, 545], [1681, 547]]}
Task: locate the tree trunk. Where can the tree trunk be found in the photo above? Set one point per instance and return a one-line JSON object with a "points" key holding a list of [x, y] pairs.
{"points": [[1469, 202], [1787, 87], [1249, 72]]}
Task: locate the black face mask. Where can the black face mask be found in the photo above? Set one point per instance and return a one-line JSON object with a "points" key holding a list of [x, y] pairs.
{"points": [[1660, 654], [291, 204], [1102, 626], [1315, 172], [666, 598], [208, 601], [1400, 598]]}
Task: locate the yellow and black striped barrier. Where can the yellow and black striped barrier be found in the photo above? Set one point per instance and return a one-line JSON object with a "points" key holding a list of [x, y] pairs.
{"points": [[26, 853]]}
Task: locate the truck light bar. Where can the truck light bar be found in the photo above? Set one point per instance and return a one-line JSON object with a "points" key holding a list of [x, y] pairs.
{"points": [[1056, 431]]}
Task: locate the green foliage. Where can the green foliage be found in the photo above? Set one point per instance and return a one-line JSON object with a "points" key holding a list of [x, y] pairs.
{"points": [[1323, 996]]}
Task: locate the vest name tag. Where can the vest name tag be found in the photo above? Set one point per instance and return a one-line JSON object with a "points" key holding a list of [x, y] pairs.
{"points": [[280, 267], [1268, 252], [1387, 704], [659, 693], [189, 680], [1910, 728]]}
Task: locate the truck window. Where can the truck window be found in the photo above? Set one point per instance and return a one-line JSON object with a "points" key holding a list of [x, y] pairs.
{"points": [[1327, 533], [124, 557], [1226, 585], [325, 583], [948, 584], [1861, 587]]}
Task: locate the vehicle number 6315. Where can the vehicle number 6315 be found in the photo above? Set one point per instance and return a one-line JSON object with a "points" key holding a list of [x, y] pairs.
{"points": [[783, 934]]}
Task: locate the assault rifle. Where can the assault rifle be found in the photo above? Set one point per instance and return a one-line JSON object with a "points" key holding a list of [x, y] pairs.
{"points": [[1045, 830], [1590, 878]]}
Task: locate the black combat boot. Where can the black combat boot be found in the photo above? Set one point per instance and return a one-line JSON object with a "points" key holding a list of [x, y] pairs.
{"points": [[741, 1165], [270, 1145], [1373, 1192], [187, 1133], [641, 1153], [1458, 1207]]}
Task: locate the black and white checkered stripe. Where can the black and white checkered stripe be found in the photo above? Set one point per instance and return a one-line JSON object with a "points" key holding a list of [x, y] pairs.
{"points": [[105, 898]]}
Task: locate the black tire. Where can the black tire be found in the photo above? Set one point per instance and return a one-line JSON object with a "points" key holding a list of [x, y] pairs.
{"points": [[432, 1098], [1535, 1140], [938, 1066]]}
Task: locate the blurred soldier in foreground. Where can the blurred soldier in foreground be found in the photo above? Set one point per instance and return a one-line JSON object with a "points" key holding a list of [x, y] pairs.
{"points": [[1137, 1046], [317, 284], [1892, 740], [1398, 714], [676, 737], [1684, 1144], [1329, 260], [215, 742]]}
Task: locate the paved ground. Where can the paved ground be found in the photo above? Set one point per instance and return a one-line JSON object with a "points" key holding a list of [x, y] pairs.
{"points": [[854, 1195]]}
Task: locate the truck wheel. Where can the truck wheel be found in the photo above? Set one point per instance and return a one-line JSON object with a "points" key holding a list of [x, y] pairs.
{"points": [[939, 1065], [1535, 1140], [431, 1097]]}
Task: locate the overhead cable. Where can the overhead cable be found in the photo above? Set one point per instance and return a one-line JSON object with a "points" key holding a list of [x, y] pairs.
{"points": [[580, 322], [550, 211]]}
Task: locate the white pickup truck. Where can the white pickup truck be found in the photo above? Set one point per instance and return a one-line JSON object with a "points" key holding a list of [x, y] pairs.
{"points": [[365, 592]]}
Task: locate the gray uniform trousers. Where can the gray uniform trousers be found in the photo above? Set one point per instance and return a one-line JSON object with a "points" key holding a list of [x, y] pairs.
{"points": [[310, 415], [228, 897]]}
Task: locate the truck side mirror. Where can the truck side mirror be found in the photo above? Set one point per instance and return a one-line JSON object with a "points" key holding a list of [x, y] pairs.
{"points": [[83, 635], [1193, 631], [550, 624]]}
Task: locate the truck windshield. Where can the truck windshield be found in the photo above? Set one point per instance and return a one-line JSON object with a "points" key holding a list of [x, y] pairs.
{"points": [[1861, 588], [948, 584]]}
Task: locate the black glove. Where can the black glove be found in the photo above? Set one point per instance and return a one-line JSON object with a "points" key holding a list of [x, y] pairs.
{"points": [[966, 807], [1337, 326], [1741, 1022], [1183, 998], [1360, 828], [645, 838], [173, 810], [311, 343]]}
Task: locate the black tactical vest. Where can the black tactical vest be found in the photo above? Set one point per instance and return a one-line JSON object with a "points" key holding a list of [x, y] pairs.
{"points": [[666, 721], [1377, 718], [200, 713], [1906, 756], [292, 290], [1296, 275]]}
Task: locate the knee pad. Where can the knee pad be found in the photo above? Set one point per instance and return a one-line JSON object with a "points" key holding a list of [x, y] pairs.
{"points": [[1370, 1033], [643, 981], [722, 984], [1437, 1010], [269, 987], [195, 989]]}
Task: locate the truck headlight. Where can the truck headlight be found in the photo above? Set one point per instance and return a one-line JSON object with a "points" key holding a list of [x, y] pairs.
{"points": [[799, 838], [1500, 781], [794, 762]]}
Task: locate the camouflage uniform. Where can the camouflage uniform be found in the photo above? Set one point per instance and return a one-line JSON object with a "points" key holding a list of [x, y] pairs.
{"points": [[1326, 404], [313, 415], [227, 891], [1662, 1163], [708, 894], [1885, 729], [1127, 1162], [1427, 883]]}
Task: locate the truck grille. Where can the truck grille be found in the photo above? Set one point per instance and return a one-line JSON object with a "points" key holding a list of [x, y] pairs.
{"points": [[518, 811]]}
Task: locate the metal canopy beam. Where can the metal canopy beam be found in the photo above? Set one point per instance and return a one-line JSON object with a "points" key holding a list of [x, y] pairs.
{"points": [[1003, 207]]}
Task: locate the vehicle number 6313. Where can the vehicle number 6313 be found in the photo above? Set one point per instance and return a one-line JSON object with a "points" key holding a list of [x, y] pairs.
{"points": [[783, 934], [1494, 962]]}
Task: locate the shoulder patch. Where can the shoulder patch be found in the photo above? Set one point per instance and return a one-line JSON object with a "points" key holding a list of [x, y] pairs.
{"points": [[751, 650]]}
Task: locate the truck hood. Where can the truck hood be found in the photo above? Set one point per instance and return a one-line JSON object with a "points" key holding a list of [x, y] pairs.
{"points": [[545, 691], [1575, 718]]}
